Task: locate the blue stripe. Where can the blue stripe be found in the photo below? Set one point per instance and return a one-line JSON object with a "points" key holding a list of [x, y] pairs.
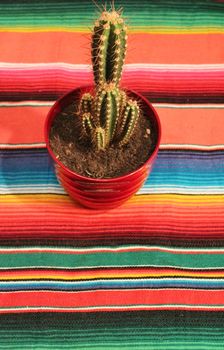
{"points": [[184, 169], [121, 284]]}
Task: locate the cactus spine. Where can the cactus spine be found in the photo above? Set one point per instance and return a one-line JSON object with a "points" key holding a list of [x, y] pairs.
{"points": [[130, 118], [85, 110], [109, 115], [109, 42], [107, 108]]}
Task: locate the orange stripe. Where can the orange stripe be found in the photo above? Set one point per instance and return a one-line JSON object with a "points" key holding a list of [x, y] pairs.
{"points": [[179, 126], [142, 48], [22, 124], [91, 275], [192, 126]]}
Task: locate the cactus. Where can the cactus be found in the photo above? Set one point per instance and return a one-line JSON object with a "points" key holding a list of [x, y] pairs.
{"points": [[106, 110], [85, 110], [109, 42], [108, 116], [129, 121]]}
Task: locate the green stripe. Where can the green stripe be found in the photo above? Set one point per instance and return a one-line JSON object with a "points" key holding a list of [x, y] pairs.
{"points": [[109, 259], [86, 339], [137, 330], [151, 13]]}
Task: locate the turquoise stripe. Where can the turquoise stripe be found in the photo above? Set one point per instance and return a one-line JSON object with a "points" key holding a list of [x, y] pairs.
{"points": [[152, 13], [112, 284], [202, 170], [114, 258]]}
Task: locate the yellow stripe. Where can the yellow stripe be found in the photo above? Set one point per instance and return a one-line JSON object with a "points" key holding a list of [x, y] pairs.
{"points": [[154, 30], [111, 276], [185, 200], [157, 199]]}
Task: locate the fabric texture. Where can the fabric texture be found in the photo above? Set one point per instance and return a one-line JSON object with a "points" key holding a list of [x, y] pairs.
{"points": [[146, 275]]}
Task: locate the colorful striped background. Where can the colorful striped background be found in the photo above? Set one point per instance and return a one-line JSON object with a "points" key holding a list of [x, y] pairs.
{"points": [[147, 275]]}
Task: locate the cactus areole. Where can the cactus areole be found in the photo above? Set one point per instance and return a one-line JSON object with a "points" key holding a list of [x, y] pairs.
{"points": [[103, 133]]}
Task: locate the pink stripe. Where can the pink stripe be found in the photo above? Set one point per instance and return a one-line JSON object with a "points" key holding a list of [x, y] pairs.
{"points": [[58, 79]]}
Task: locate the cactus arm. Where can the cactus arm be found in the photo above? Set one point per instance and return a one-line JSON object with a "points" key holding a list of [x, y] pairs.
{"points": [[131, 116], [100, 95], [113, 114], [123, 101], [85, 105], [124, 118], [107, 110], [85, 110], [87, 123], [100, 42], [100, 139]]}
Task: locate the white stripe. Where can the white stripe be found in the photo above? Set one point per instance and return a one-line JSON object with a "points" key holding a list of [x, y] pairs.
{"points": [[27, 104], [113, 307], [57, 189], [22, 145], [18, 66], [189, 106], [132, 66], [156, 105], [164, 146], [179, 190], [129, 249], [191, 146], [34, 190]]}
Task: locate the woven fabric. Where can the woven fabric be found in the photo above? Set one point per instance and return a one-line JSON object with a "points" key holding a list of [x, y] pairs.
{"points": [[149, 274]]}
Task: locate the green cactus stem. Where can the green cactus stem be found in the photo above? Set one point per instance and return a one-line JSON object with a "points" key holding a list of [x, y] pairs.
{"points": [[100, 139], [123, 101], [107, 110], [85, 112], [130, 118], [109, 43], [85, 105], [87, 123]]}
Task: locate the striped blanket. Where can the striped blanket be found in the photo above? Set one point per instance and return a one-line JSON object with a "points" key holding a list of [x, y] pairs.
{"points": [[149, 274]]}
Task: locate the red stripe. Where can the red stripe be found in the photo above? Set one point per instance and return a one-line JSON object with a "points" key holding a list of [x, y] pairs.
{"points": [[143, 224], [130, 233], [112, 298], [206, 125], [155, 48]]}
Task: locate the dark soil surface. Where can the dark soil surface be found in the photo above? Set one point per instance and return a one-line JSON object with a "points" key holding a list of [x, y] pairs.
{"points": [[76, 152]]}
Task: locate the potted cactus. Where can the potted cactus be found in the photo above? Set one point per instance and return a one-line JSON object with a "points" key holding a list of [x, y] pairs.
{"points": [[103, 138]]}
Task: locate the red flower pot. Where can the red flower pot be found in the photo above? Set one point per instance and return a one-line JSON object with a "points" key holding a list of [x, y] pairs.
{"points": [[102, 193]]}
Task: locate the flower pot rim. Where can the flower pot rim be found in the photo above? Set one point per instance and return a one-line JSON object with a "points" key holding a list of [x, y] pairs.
{"points": [[47, 127]]}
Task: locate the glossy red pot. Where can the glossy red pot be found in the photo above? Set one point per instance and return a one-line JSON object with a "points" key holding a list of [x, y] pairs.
{"points": [[102, 193]]}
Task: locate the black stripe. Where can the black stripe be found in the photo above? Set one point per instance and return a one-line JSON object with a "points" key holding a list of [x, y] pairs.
{"points": [[178, 152], [54, 241], [102, 320], [153, 97]]}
